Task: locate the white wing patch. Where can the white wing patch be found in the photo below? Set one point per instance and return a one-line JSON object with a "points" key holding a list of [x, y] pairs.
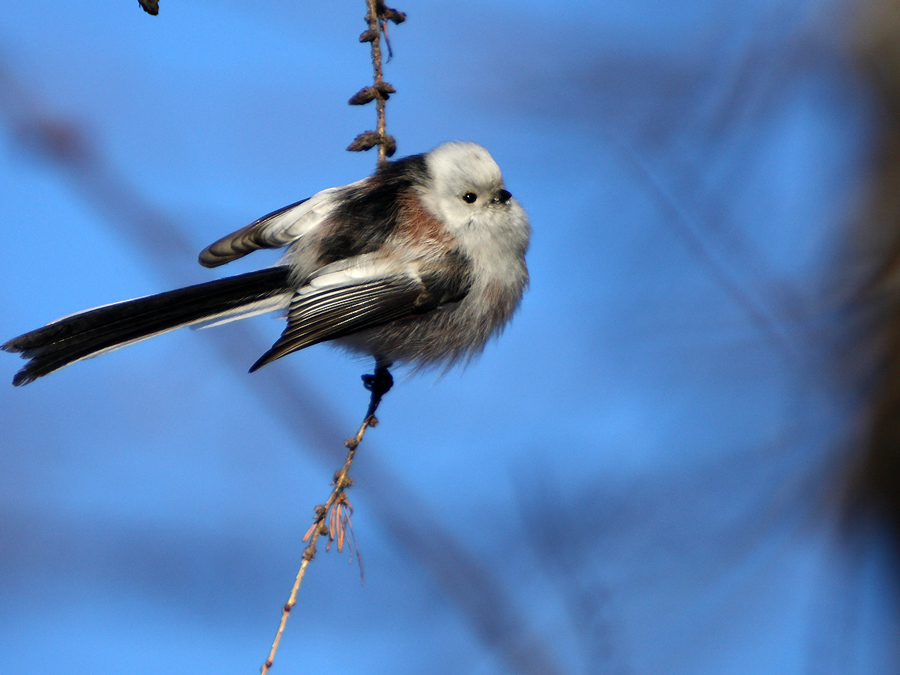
{"points": [[358, 270]]}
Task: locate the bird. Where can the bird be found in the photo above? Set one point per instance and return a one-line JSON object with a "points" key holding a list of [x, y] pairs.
{"points": [[420, 263]]}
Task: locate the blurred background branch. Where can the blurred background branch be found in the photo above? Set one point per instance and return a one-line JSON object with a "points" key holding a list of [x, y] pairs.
{"points": [[872, 274]]}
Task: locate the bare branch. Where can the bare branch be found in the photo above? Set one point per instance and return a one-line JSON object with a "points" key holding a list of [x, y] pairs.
{"points": [[379, 384]]}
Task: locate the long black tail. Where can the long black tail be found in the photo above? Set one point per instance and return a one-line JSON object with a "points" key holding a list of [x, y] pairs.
{"points": [[87, 333]]}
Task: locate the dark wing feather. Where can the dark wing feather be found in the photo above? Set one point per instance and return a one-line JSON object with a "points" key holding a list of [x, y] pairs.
{"points": [[257, 235], [334, 312], [277, 229]]}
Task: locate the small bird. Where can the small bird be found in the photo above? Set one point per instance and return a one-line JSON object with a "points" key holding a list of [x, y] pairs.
{"points": [[420, 263]]}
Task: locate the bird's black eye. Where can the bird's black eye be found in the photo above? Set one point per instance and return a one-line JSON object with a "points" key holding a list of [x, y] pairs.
{"points": [[470, 197]]}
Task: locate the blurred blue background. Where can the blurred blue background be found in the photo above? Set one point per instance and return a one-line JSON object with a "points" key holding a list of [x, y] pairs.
{"points": [[648, 473]]}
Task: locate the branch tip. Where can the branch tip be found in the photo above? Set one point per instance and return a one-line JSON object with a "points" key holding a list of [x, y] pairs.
{"points": [[150, 6]]}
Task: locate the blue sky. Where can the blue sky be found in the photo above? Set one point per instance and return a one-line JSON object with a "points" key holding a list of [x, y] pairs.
{"points": [[639, 476]]}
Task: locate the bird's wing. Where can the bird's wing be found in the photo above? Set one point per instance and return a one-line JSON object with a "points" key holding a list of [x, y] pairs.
{"points": [[350, 296], [275, 230]]}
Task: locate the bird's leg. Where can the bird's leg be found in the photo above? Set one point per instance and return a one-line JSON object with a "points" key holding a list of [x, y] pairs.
{"points": [[379, 383]]}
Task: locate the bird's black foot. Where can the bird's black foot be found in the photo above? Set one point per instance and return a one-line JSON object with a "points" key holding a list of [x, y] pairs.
{"points": [[379, 383]]}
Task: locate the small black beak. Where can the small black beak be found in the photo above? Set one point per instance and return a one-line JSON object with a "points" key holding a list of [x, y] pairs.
{"points": [[504, 196]]}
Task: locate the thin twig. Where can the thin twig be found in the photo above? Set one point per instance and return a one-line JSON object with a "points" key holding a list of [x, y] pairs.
{"points": [[381, 381], [381, 125], [378, 384]]}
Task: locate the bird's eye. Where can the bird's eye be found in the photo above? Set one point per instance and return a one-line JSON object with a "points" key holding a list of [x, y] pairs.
{"points": [[470, 197]]}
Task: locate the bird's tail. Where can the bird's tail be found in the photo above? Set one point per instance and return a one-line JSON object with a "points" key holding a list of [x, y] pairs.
{"points": [[103, 329]]}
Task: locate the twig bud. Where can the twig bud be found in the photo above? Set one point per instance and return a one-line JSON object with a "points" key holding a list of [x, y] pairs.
{"points": [[393, 15], [363, 96], [390, 147], [365, 141], [385, 90], [388, 13]]}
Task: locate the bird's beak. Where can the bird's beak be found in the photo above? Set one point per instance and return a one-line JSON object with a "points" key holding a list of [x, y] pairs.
{"points": [[503, 196]]}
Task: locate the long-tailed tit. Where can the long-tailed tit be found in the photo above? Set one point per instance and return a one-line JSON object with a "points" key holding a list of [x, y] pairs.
{"points": [[420, 263]]}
